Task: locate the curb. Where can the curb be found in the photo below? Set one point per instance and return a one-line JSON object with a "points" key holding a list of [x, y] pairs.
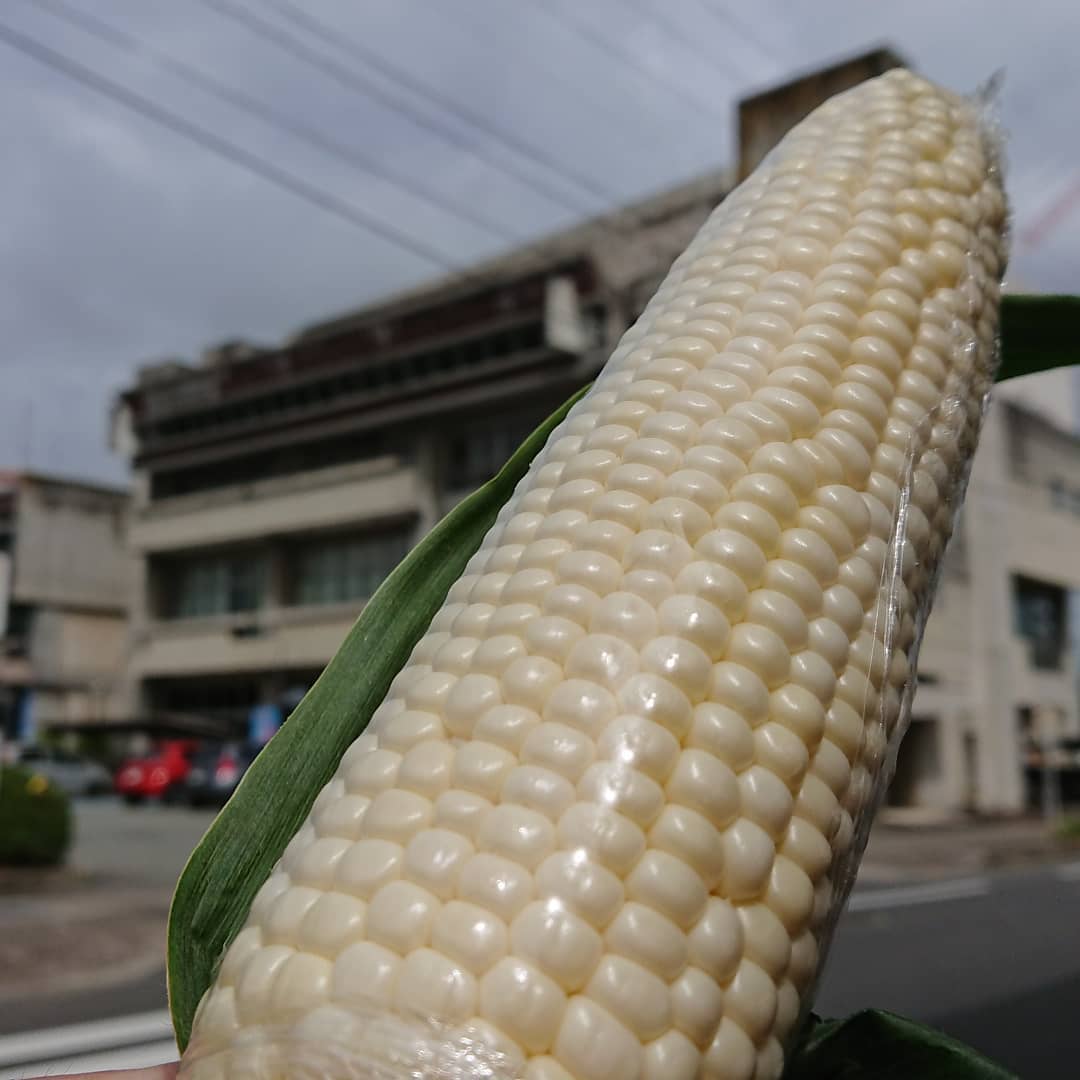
{"points": [[975, 860]]}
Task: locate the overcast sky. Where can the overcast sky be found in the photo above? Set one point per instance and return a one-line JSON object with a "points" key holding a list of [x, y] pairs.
{"points": [[123, 241]]}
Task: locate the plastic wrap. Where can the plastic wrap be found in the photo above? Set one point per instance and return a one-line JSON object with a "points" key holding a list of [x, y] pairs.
{"points": [[357, 1040], [612, 807], [957, 418]]}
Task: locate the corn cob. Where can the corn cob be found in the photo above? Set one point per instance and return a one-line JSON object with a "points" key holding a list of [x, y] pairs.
{"points": [[609, 811]]}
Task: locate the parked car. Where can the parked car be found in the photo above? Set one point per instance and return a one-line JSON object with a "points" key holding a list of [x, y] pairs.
{"points": [[72, 774], [159, 775], [215, 772]]}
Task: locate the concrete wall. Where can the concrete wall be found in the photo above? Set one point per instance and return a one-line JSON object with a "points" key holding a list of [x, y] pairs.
{"points": [[275, 640], [304, 503], [980, 667], [71, 568], [69, 546], [765, 118], [1052, 394], [977, 669], [945, 656], [76, 646], [93, 704]]}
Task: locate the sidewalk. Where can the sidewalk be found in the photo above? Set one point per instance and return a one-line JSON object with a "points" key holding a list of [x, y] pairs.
{"points": [[64, 932], [899, 853]]}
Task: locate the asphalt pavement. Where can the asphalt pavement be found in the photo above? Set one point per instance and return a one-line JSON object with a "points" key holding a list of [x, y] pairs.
{"points": [[43, 1011], [993, 960], [148, 844]]}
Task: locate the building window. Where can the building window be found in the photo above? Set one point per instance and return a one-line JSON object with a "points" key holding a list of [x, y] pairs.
{"points": [[219, 584], [283, 461], [338, 569], [366, 376], [918, 765], [20, 625], [1039, 618], [479, 451], [226, 700]]}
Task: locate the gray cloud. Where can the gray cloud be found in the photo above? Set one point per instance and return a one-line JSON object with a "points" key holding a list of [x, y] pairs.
{"points": [[122, 242]]}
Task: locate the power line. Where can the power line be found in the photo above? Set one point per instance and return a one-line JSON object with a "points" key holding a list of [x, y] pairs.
{"points": [[288, 9], [583, 29], [545, 61], [208, 140], [239, 99], [348, 43], [355, 81], [687, 40], [725, 14]]}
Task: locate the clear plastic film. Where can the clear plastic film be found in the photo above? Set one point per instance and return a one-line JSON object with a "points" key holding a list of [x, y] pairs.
{"points": [[609, 813], [358, 1039], [910, 580]]}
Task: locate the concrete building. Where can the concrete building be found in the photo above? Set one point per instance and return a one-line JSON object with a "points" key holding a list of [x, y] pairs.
{"points": [[274, 488], [64, 578], [997, 674], [1053, 395]]}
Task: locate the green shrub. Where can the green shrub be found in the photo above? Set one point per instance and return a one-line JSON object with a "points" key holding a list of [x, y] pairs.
{"points": [[35, 819], [1069, 828]]}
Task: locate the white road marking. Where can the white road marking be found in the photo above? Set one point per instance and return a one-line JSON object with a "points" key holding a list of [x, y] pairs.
{"points": [[1068, 872], [142, 1039], [932, 892]]}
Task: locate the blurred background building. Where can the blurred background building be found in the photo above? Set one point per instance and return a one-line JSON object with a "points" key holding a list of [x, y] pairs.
{"points": [[64, 575], [274, 489], [997, 673]]}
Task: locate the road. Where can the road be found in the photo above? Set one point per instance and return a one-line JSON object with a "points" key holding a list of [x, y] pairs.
{"points": [[148, 844], [992, 959]]}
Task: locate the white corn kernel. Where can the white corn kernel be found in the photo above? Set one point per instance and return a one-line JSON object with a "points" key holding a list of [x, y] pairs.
{"points": [[607, 813]]}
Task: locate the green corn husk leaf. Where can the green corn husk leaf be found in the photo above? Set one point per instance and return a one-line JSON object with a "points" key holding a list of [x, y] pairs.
{"points": [[877, 1045], [247, 838], [241, 847], [1038, 333]]}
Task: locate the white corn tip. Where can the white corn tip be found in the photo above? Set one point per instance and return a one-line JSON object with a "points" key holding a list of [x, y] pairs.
{"points": [[612, 803]]}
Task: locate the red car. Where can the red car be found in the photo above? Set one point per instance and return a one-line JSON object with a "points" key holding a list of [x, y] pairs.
{"points": [[158, 775]]}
